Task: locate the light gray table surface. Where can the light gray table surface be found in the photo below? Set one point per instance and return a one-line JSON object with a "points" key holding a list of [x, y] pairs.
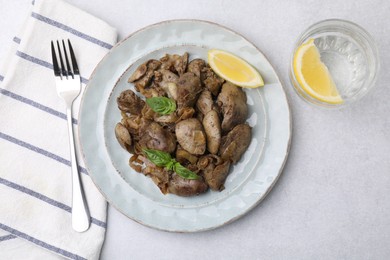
{"points": [[333, 198]]}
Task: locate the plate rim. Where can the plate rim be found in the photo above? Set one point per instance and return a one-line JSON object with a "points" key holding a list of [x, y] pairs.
{"points": [[268, 189]]}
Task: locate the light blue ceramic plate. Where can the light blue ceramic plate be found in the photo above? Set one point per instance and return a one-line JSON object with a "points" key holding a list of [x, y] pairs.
{"points": [[137, 196]]}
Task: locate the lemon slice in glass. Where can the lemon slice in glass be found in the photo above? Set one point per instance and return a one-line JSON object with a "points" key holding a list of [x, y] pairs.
{"points": [[313, 76], [234, 69]]}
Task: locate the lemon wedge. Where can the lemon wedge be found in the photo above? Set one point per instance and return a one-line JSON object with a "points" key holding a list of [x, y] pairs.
{"points": [[234, 69], [313, 76]]}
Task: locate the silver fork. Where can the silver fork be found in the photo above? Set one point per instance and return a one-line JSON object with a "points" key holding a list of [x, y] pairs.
{"points": [[68, 88]]}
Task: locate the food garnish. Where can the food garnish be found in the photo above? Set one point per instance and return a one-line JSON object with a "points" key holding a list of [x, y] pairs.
{"points": [[162, 105], [234, 69], [313, 75], [163, 159]]}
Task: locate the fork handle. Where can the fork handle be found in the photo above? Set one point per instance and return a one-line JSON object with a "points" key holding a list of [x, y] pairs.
{"points": [[80, 212]]}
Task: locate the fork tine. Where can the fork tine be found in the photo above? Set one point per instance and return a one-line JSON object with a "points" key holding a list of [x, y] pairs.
{"points": [[73, 58], [64, 73], [68, 68], [56, 69]]}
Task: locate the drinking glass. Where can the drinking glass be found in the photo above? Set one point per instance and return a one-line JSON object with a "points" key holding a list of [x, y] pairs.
{"points": [[349, 53]]}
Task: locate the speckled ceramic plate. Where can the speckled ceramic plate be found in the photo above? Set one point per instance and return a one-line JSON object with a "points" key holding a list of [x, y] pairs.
{"points": [[137, 196]]}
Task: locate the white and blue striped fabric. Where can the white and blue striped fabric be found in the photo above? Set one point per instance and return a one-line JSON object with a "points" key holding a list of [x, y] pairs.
{"points": [[35, 174]]}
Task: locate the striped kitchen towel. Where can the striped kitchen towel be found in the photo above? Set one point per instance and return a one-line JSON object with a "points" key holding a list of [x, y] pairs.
{"points": [[35, 173]]}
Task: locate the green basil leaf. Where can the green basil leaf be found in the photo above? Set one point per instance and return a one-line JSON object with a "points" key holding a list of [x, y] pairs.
{"points": [[159, 158], [163, 159], [171, 165], [162, 105], [184, 172]]}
